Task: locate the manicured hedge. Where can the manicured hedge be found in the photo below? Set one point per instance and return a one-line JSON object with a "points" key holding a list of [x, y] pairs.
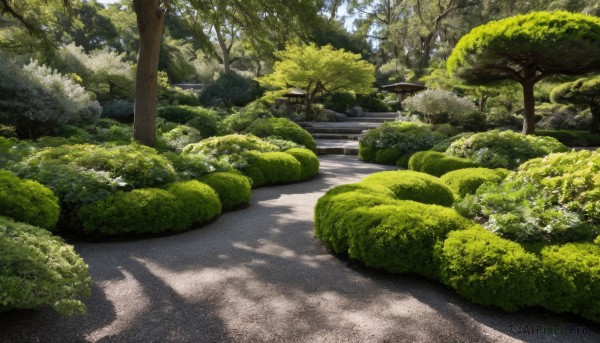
{"points": [[273, 168], [468, 180], [27, 201], [38, 269], [411, 185], [282, 128], [234, 189], [308, 160], [437, 164], [151, 210]]}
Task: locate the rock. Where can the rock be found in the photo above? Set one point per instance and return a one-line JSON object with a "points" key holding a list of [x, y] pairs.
{"points": [[356, 111], [340, 116]]}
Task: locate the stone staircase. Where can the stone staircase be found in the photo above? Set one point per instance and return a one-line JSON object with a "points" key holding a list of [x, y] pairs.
{"points": [[341, 138]]}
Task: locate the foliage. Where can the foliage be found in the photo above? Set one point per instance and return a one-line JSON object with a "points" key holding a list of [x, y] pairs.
{"points": [[572, 138], [438, 106], [338, 101], [442, 146], [489, 270], [282, 144], [308, 160], [118, 109], [40, 269], [241, 120], [180, 137], [437, 163], [193, 166], [398, 139], [282, 128], [272, 168], [234, 189], [27, 201], [230, 89], [204, 120], [585, 92], [37, 100], [466, 181], [231, 149], [503, 149], [411, 185], [151, 210]]}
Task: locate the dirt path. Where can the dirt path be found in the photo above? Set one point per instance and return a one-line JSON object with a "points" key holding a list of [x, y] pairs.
{"points": [[259, 275]]}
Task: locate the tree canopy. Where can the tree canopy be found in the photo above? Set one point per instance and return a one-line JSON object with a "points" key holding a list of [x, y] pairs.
{"points": [[585, 91], [319, 71], [526, 49]]}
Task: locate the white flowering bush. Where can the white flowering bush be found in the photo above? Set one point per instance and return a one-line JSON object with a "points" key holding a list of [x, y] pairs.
{"points": [[38, 100], [439, 106]]}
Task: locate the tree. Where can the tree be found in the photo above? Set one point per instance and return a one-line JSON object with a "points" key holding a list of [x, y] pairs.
{"points": [[581, 92], [526, 49], [439, 106], [319, 71]]}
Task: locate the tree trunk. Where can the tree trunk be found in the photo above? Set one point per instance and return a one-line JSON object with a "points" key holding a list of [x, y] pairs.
{"points": [[150, 21], [224, 49], [308, 103], [529, 107], [483, 102]]}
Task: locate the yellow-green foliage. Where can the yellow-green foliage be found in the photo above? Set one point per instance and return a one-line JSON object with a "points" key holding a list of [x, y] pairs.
{"points": [[466, 181], [411, 185], [437, 163], [198, 203], [27, 201], [273, 168], [563, 41], [489, 270], [308, 160], [234, 189], [39, 269], [282, 128]]}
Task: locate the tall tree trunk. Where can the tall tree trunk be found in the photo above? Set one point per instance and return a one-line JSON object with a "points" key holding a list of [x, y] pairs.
{"points": [[529, 106], [224, 49], [150, 21], [483, 102]]}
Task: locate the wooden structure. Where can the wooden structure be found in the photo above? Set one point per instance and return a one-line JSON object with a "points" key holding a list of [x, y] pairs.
{"points": [[294, 98], [403, 90]]}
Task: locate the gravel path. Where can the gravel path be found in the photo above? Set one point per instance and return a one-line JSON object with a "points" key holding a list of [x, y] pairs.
{"points": [[260, 275]]}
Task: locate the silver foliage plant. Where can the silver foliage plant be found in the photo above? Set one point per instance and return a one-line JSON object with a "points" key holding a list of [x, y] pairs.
{"points": [[439, 106]]}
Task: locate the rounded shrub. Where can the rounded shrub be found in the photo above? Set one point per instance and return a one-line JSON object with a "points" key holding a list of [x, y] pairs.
{"points": [[468, 180], [308, 160], [203, 120], [400, 238], [489, 270], [40, 269], [437, 163], [411, 185], [282, 128], [180, 137], [198, 203], [234, 189], [27, 201], [504, 149], [395, 140], [572, 279], [273, 168]]}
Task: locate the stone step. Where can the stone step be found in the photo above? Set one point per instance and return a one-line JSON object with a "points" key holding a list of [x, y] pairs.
{"points": [[339, 127], [392, 115], [337, 147], [337, 136], [369, 119]]}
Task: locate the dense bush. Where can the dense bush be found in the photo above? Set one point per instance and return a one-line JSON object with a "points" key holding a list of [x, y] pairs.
{"points": [[273, 168], [443, 145], [180, 137], [466, 181], [308, 160], [489, 270], [504, 149], [282, 128], [39, 269], [201, 119], [151, 210], [240, 121], [231, 148], [339, 101], [38, 100], [391, 141], [193, 166], [411, 185], [440, 106], [282, 144], [27, 201], [234, 189], [230, 89], [437, 164], [572, 138]]}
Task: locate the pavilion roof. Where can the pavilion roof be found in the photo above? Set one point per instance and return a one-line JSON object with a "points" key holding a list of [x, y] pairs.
{"points": [[404, 87]]}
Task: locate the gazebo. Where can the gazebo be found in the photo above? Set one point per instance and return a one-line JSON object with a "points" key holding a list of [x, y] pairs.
{"points": [[403, 90], [294, 96]]}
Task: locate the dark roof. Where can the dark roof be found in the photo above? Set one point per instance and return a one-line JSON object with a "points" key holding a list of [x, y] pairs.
{"points": [[295, 93], [404, 87]]}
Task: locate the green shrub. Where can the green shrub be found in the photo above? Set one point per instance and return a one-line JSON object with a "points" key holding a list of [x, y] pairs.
{"points": [[402, 162], [180, 137], [234, 189], [400, 238], [437, 164], [231, 148], [572, 138], [193, 166], [27, 201], [230, 89], [411, 185], [282, 128], [308, 160], [398, 139], [467, 181], [339, 101], [40, 269], [445, 144], [489, 270], [240, 121], [504, 149], [203, 120], [282, 144], [198, 203], [273, 168]]}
